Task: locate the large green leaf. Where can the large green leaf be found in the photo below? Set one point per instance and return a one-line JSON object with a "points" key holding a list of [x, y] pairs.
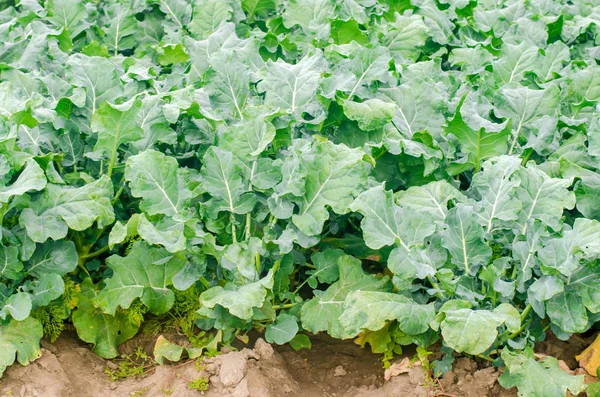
{"points": [[60, 208], [335, 174], [32, 178], [496, 185], [311, 15], [145, 273], [98, 76], [208, 16], [222, 179], [104, 331], [53, 257], [293, 87], [405, 37], [121, 30], [534, 378], [385, 223], [10, 265], [432, 198], [115, 125], [462, 328], [564, 253], [228, 87], [67, 14], [322, 313], [20, 338], [476, 145], [567, 311], [543, 197], [370, 310], [371, 114], [464, 239], [239, 300], [525, 107], [282, 330], [159, 181]]}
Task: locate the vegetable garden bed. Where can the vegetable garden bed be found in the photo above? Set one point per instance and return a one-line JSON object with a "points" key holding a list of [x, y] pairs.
{"points": [[417, 173]]}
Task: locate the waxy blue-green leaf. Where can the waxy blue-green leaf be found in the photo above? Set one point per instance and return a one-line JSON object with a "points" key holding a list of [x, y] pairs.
{"points": [[60, 208], [432, 198], [363, 67], [476, 145], [525, 106], [222, 178], [405, 36], [106, 332], [464, 239], [115, 125], [55, 257], [516, 60], [585, 282], [98, 76], [542, 197], [178, 11], [32, 178], [584, 85], [121, 30], [326, 266], [10, 266], [534, 378], [247, 139], [239, 300], [18, 306], [208, 16], [68, 14], [335, 175], [159, 181], [322, 313], [228, 86], [48, 287], [385, 223], [20, 338], [145, 273], [282, 330], [564, 253], [311, 15], [418, 107], [566, 310], [371, 114], [370, 310], [496, 186], [165, 232], [293, 87], [416, 262], [462, 328]]}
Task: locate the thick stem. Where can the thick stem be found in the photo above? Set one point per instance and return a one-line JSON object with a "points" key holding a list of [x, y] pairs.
{"points": [[525, 312], [248, 215], [233, 232], [286, 306], [257, 262], [95, 253], [118, 194], [435, 285], [524, 315]]}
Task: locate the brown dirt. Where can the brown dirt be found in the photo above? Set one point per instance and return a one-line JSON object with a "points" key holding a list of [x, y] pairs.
{"points": [[330, 369]]}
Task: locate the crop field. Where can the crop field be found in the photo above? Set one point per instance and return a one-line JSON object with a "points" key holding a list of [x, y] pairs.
{"points": [[181, 180]]}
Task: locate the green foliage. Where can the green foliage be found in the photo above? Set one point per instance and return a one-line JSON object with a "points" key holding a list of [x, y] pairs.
{"points": [[130, 366], [394, 172], [200, 384]]}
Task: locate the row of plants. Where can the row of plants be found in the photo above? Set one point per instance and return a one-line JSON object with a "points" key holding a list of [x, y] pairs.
{"points": [[401, 172]]}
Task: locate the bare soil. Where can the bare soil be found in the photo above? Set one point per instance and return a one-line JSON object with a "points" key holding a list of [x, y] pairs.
{"points": [[331, 368]]}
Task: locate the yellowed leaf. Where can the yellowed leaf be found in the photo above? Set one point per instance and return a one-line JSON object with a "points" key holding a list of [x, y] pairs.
{"points": [[589, 359]]}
